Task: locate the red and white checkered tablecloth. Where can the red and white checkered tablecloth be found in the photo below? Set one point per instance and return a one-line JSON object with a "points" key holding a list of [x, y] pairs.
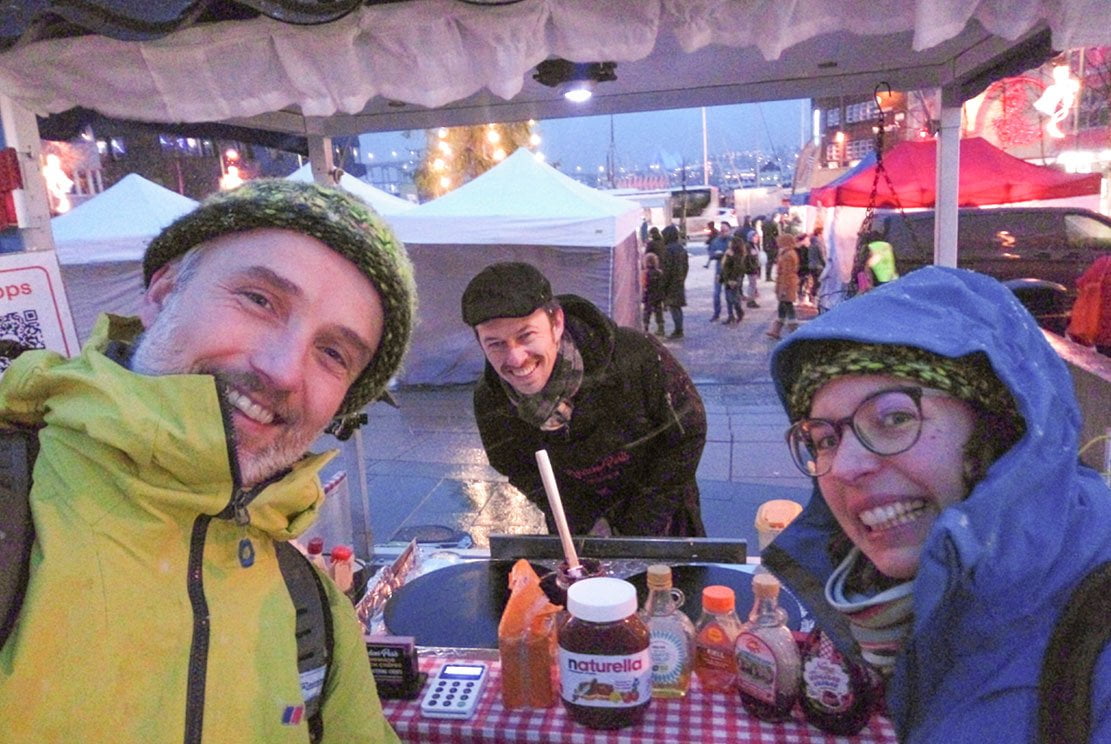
{"points": [[698, 718]]}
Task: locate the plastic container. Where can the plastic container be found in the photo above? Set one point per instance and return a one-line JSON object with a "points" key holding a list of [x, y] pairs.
{"points": [[767, 656], [717, 629], [772, 517], [605, 668], [315, 553], [343, 567], [671, 633]]}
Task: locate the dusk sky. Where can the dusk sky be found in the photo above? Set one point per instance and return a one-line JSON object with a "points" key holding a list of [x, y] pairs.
{"points": [[583, 141]]}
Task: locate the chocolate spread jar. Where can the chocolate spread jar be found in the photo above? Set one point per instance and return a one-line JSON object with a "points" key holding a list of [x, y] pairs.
{"points": [[605, 668]]}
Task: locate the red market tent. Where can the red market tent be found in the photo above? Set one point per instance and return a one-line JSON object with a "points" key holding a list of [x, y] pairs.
{"points": [[987, 176]]}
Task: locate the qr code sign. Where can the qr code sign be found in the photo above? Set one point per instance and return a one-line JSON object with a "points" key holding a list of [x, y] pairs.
{"points": [[19, 331]]}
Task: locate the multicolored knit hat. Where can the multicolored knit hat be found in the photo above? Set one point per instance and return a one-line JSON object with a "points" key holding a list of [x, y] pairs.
{"points": [[969, 378], [335, 218]]}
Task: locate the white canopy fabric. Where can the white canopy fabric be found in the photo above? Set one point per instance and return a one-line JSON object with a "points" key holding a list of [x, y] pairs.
{"points": [[521, 200], [117, 224], [430, 53], [100, 246], [584, 241], [382, 202]]}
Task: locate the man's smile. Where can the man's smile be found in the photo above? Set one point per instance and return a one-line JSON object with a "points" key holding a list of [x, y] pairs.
{"points": [[248, 407]]}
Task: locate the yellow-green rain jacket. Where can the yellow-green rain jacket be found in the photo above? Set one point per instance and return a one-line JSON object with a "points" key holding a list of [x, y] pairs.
{"points": [[140, 624]]}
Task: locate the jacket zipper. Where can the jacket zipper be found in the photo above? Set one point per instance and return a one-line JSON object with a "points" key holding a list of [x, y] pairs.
{"points": [[198, 651]]}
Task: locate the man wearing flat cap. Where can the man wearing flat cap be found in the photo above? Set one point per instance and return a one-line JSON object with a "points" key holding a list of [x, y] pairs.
{"points": [[622, 422], [162, 603]]}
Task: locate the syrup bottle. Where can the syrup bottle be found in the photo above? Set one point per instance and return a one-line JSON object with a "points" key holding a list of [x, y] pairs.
{"points": [[838, 695], [671, 633], [718, 627], [315, 552], [766, 655]]}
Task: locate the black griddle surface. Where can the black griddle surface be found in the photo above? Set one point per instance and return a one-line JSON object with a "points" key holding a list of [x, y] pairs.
{"points": [[459, 605]]}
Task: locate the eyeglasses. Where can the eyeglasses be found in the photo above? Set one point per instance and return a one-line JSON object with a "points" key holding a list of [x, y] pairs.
{"points": [[887, 422]]}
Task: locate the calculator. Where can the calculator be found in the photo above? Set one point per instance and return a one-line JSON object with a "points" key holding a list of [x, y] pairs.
{"points": [[454, 690]]}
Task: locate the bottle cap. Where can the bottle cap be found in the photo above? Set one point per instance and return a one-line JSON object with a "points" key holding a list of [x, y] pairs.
{"points": [[718, 599], [601, 600], [659, 576], [316, 546], [765, 586], [342, 553]]}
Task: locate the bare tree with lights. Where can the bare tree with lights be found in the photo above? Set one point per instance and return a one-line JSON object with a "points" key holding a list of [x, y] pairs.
{"points": [[456, 155]]}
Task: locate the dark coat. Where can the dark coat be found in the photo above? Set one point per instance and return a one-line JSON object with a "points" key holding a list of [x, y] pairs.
{"points": [[633, 444], [675, 265]]}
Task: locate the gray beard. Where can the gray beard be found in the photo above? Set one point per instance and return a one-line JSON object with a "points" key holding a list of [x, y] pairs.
{"points": [[157, 352]]}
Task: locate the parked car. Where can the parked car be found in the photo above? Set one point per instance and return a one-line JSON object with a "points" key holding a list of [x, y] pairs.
{"points": [[1052, 244], [1039, 252]]}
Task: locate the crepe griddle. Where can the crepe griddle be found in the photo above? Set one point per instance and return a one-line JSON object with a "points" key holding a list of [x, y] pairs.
{"points": [[693, 579], [458, 605]]}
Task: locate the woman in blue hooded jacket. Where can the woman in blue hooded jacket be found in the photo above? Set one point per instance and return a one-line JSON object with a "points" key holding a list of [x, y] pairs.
{"points": [[951, 519]]}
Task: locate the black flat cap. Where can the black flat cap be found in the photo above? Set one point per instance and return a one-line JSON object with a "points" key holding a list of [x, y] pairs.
{"points": [[504, 290]]}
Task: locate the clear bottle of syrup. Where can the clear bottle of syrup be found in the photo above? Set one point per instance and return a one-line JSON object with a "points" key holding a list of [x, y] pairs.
{"points": [[671, 633], [766, 655]]}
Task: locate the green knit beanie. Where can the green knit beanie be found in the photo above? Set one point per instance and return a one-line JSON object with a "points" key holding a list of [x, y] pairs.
{"points": [[335, 218], [969, 378]]}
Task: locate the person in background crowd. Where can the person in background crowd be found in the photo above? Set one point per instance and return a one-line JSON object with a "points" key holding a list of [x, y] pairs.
{"points": [[173, 465], [676, 264], [655, 243], [622, 422], [750, 265], [652, 293], [758, 241], [711, 234], [1090, 319], [731, 276], [802, 247], [715, 250], [642, 233], [770, 234], [815, 263], [952, 522], [786, 285]]}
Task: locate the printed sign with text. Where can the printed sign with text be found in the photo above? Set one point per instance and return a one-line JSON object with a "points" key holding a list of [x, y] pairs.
{"points": [[34, 312]]}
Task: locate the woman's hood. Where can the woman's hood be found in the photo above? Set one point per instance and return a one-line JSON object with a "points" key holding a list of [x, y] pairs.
{"points": [[998, 535]]}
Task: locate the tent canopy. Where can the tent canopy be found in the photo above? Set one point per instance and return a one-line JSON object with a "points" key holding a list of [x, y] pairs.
{"points": [[117, 224], [584, 241], [522, 201], [382, 202], [987, 176], [387, 66]]}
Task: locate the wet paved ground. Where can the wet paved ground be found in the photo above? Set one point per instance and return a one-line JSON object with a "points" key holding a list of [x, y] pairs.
{"points": [[424, 462]]}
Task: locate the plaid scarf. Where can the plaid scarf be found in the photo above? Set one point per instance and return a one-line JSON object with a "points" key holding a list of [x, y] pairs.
{"points": [[880, 622], [550, 409]]}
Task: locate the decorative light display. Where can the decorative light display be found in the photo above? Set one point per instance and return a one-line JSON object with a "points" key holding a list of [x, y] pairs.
{"points": [[455, 155], [58, 184], [1058, 99]]}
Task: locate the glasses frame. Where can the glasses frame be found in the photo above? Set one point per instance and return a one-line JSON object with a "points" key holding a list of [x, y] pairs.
{"points": [[914, 392]]}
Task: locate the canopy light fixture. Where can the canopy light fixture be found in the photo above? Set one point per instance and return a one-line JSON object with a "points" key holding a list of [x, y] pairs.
{"points": [[576, 80]]}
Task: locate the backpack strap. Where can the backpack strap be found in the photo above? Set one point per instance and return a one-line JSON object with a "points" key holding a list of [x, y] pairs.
{"points": [[1065, 687], [315, 639], [18, 450]]}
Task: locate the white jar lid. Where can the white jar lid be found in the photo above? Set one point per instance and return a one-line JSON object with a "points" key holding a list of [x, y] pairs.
{"points": [[601, 600]]}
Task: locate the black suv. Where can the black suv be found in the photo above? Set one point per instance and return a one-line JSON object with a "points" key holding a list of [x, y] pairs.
{"points": [[1054, 244]]}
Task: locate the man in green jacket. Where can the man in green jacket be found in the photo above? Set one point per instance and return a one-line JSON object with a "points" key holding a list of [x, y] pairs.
{"points": [[172, 463]]}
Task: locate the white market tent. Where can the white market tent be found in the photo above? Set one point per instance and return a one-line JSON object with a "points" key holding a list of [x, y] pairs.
{"points": [[383, 203], [100, 245], [584, 241]]}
